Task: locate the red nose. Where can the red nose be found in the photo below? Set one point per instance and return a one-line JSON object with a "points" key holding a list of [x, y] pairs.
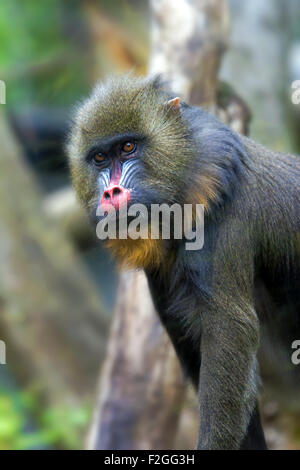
{"points": [[114, 196]]}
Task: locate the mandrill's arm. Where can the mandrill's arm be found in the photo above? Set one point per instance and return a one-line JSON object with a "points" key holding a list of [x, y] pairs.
{"points": [[228, 374], [210, 319], [222, 333], [229, 417]]}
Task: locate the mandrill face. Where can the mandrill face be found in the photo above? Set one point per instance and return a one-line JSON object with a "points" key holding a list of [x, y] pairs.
{"points": [[124, 146], [129, 145]]}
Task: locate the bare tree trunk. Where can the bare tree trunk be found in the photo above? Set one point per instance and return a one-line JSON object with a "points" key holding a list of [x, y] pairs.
{"points": [[51, 316], [188, 41], [141, 387]]}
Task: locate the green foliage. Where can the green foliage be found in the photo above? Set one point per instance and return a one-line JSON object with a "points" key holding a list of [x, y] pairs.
{"points": [[13, 434], [63, 426], [60, 427], [40, 62]]}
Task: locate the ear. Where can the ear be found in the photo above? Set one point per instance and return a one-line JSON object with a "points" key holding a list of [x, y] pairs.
{"points": [[174, 103]]}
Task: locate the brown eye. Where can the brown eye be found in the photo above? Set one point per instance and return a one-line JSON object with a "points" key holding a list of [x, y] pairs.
{"points": [[128, 147], [98, 158]]}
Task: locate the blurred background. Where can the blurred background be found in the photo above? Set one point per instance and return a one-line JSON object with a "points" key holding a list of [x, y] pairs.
{"points": [[58, 287]]}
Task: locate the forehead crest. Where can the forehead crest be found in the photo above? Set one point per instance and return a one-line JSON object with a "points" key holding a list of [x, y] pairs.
{"points": [[121, 105]]}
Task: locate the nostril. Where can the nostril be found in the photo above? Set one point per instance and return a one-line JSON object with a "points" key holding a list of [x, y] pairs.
{"points": [[116, 191], [114, 196]]}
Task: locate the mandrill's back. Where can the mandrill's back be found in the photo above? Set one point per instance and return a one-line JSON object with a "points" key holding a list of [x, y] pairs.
{"points": [[277, 277], [276, 184]]}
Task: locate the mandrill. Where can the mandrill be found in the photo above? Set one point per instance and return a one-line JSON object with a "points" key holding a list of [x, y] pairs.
{"points": [[133, 141]]}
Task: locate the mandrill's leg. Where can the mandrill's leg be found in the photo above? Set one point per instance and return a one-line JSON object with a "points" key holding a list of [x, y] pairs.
{"points": [[254, 438]]}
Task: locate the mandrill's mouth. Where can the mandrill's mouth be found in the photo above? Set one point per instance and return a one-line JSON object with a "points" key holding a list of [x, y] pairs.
{"points": [[114, 198]]}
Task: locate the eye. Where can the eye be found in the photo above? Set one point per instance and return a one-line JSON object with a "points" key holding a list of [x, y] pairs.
{"points": [[98, 158], [128, 148]]}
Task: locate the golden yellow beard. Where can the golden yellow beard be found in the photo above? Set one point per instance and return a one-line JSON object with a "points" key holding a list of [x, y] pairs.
{"points": [[139, 253]]}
